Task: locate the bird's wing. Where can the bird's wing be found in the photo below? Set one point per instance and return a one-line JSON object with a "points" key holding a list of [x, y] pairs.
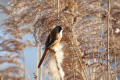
{"points": [[51, 40]]}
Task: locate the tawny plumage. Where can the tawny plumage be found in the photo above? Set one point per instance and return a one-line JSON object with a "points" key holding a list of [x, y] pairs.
{"points": [[52, 41]]}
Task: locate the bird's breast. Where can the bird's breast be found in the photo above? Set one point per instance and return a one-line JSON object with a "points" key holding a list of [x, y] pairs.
{"points": [[57, 41], [59, 35]]}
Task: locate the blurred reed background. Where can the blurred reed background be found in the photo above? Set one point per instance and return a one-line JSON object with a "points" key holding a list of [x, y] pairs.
{"points": [[91, 41]]}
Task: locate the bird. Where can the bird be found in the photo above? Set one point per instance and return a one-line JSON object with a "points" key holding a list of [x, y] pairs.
{"points": [[52, 41]]}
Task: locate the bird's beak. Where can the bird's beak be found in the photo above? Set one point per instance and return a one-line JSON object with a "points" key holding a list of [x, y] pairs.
{"points": [[62, 28]]}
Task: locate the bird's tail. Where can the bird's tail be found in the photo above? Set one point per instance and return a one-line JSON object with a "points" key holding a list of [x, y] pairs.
{"points": [[41, 60]]}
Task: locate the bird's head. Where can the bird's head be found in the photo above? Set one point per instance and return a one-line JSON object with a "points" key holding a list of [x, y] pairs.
{"points": [[59, 28]]}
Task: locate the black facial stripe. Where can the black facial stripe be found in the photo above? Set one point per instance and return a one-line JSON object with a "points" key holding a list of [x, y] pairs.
{"points": [[58, 29]]}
